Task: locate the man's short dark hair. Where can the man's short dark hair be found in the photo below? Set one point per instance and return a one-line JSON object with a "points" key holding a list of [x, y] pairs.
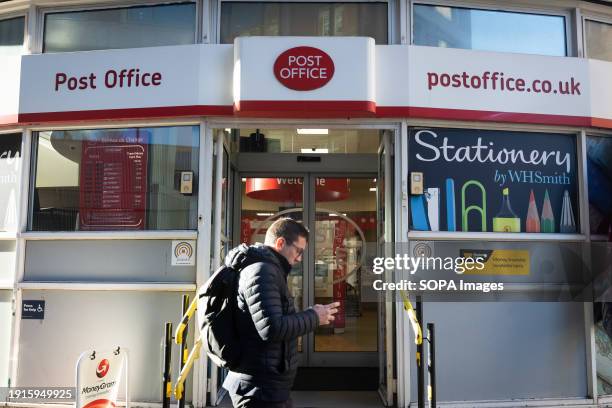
{"points": [[287, 228]]}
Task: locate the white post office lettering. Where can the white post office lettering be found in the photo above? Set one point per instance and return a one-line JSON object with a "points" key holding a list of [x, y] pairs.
{"points": [[304, 66]]}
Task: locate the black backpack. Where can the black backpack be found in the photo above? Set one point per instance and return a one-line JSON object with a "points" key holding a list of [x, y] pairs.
{"points": [[217, 305]]}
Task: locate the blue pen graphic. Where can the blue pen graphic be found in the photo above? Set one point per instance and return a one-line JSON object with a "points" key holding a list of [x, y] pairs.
{"points": [[419, 214], [450, 205]]}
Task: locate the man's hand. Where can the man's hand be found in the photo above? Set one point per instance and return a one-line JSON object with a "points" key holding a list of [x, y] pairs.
{"points": [[326, 312]]}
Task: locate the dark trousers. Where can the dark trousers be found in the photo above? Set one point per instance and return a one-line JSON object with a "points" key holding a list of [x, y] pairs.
{"points": [[240, 401]]}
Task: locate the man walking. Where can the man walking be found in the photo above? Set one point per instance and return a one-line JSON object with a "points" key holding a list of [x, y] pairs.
{"points": [[267, 324]]}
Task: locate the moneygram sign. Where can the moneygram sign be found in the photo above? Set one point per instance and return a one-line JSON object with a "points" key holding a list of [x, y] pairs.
{"points": [[304, 68], [98, 376]]}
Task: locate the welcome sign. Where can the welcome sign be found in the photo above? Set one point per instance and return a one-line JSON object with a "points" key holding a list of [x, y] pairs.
{"points": [[480, 180]]}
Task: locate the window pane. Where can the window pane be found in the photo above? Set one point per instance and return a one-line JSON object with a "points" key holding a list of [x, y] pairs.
{"points": [[11, 36], [10, 170], [131, 27], [454, 27], [599, 40], [303, 19], [115, 179], [599, 173]]}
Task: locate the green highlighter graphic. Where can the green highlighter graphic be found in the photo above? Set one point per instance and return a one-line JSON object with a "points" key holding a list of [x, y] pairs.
{"points": [[506, 220]]}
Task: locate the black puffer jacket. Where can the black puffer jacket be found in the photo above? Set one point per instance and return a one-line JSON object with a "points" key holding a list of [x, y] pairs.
{"points": [[268, 325]]}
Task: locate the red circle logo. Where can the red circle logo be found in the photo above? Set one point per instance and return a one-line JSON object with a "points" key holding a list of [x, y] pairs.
{"points": [[304, 68], [103, 368]]}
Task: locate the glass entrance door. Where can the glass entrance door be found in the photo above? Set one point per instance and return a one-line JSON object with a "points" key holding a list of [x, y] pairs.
{"points": [[340, 213], [344, 236]]}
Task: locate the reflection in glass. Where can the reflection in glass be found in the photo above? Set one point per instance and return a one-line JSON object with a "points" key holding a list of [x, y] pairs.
{"points": [[367, 19], [489, 30], [318, 141], [599, 174], [598, 40], [264, 200], [10, 170], [345, 224], [11, 36], [114, 179], [130, 27]]}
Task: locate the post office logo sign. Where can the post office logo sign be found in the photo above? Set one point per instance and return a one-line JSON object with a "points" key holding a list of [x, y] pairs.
{"points": [[304, 68]]}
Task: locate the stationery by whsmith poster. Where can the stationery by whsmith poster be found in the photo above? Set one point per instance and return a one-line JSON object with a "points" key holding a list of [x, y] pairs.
{"points": [[494, 181]]}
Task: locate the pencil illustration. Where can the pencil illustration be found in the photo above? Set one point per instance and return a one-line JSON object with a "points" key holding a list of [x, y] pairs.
{"points": [[547, 222], [532, 224]]}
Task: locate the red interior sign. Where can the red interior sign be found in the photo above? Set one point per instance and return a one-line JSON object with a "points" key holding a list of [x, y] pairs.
{"points": [[113, 178]]}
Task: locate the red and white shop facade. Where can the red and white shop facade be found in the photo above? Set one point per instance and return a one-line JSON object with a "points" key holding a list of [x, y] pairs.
{"points": [[311, 82], [349, 78]]}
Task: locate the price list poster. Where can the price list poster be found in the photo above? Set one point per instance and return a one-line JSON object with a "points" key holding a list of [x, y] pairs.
{"points": [[113, 181]]}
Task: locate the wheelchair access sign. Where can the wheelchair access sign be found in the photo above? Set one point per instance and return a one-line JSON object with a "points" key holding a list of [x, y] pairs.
{"points": [[33, 309]]}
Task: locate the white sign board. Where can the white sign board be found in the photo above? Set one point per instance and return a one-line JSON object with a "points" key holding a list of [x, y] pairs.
{"points": [[307, 77], [10, 71], [142, 82], [98, 377], [257, 89]]}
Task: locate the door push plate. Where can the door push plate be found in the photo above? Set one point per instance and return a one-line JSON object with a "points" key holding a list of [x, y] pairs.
{"points": [[416, 183]]}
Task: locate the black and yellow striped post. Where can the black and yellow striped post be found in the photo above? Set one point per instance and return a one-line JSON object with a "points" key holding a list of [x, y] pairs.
{"points": [[166, 377], [431, 365], [414, 317], [186, 358], [419, 359], [184, 351]]}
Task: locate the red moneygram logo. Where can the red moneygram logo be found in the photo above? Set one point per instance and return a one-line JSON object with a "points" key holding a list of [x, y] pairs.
{"points": [[304, 68], [103, 368]]}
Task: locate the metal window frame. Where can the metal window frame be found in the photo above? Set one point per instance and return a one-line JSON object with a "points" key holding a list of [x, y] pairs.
{"points": [[22, 209], [522, 237], [596, 18], [404, 349], [93, 235], [398, 129], [392, 14], [203, 250], [26, 22], [591, 349], [109, 286], [62, 7], [520, 8]]}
